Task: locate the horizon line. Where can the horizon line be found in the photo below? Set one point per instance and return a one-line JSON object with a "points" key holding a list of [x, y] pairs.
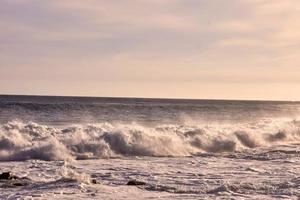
{"points": [[149, 98]]}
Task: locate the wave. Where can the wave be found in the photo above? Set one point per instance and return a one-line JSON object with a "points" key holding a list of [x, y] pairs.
{"points": [[23, 141]]}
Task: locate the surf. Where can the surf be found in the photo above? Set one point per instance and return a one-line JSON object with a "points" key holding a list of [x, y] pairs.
{"points": [[21, 141]]}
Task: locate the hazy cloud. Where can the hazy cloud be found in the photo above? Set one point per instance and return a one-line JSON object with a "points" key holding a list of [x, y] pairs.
{"points": [[149, 41]]}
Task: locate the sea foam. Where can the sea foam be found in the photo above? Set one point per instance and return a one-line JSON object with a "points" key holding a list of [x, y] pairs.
{"points": [[23, 141]]}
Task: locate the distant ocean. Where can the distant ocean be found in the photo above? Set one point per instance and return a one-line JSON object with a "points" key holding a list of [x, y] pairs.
{"points": [[181, 149]]}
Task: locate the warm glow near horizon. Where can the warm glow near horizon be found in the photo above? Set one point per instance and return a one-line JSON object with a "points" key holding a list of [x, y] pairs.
{"points": [[220, 49]]}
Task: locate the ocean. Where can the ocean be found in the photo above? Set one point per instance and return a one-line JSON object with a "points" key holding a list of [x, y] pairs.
{"points": [[135, 148]]}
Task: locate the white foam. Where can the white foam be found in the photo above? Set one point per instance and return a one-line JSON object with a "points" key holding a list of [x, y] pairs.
{"points": [[23, 141]]}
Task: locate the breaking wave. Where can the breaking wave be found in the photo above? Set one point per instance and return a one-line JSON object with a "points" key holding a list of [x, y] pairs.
{"points": [[23, 141]]}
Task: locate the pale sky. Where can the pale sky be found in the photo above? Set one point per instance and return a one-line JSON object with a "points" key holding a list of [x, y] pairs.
{"points": [[220, 49]]}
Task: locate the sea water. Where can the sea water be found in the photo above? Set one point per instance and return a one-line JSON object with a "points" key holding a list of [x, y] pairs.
{"points": [[178, 149]]}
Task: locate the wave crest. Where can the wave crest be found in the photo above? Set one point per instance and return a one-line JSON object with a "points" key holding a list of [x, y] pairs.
{"points": [[23, 141]]}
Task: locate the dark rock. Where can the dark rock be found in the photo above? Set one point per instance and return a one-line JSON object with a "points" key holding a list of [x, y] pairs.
{"points": [[8, 180], [7, 176], [135, 182], [20, 184], [94, 181], [15, 183]]}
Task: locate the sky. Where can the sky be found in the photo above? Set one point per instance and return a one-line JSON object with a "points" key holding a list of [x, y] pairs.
{"points": [[203, 49]]}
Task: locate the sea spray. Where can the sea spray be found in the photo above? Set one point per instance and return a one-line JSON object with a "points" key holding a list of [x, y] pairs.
{"points": [[23, 141]]}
